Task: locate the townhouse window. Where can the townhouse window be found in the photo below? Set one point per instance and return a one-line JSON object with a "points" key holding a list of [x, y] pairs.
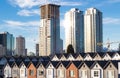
{"points": [[49, 72], [96, 74], [14, 71], [110, 74], [22, 72], [31, 72], [60, 73], [41, 72], [72, 73]]}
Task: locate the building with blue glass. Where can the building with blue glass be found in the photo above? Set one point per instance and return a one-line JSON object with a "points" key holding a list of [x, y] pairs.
{"points": [[7, 41]]}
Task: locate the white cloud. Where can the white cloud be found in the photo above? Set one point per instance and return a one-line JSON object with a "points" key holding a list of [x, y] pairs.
{"points": [[25, 12], [109, 20], [71, 3], [19, 23], [32, 3]]}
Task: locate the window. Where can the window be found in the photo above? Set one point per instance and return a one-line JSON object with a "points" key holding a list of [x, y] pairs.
{"points": [[72, 73], [96, 74], [22, 71], [41, 72], [14, 71], [49, 72], [31, 72], [60, 73]]}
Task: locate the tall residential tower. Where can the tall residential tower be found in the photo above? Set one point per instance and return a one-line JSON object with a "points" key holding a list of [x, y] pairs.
{"points": [[49, 38], [93, 30], [74, 29]]}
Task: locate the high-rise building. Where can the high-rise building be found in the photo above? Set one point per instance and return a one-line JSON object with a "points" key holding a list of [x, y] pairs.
{"points": [[74, 29], [37, 49], [20, 46], [7, 41], [49, 38], [93, 30]]}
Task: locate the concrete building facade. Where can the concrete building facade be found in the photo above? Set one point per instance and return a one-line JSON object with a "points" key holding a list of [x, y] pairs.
{"points": [[93, 30], [49, 36], [74, 30]]}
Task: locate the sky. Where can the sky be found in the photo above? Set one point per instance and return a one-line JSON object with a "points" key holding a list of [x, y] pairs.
{"points": [[22, 17]]}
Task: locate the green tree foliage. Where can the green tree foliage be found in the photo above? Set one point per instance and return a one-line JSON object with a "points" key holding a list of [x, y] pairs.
{"points": [[70, 49]]}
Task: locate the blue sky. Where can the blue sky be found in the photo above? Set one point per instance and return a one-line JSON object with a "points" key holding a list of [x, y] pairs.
{"points": [[22, 17]]}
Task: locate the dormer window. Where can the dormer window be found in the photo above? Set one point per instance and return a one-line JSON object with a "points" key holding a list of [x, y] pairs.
{"points": [[83, 65], [96, 65], [110, 66]]}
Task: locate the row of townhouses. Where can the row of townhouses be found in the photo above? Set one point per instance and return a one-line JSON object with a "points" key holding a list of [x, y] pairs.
{"points": [[61, 66]]}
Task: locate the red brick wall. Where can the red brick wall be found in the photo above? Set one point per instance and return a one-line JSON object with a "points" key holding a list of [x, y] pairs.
{"points": [[72, 67], [31, 67]]}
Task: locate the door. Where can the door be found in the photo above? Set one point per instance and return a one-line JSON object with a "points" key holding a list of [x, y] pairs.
{"points": [[110, 74], [83, 73], [50, 73], [96, 74]]}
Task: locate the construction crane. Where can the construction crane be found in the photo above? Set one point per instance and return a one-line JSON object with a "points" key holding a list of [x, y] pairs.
{"points": [[108, 43]]}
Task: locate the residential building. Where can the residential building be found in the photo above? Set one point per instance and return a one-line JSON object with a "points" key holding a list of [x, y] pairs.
{"points": [[49, 36], [41, 70], [111, 70], [23, 69], [71, 71], [7, 41], [31, 70], [20, 46], [93, 30], [74, 30]]}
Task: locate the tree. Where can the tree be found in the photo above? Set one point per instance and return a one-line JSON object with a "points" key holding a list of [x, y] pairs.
{"points": [[70, 49]]}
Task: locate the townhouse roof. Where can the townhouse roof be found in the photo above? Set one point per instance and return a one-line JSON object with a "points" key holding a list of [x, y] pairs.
{"points": [[89, 63], [44, 63], [77, 63], [111, 54], [102, 63], [83, 55], [65, 63], [55, 63], [101, 54], [115, 63], [75, 55], [92, 54], [2, 66]]}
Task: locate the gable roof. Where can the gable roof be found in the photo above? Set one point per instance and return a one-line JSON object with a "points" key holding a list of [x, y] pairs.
{"points": [[111, 54], [65, 63], [44, 63], [77, 63], [101, 54], [75, 55], [89, 63], [92, 54], [115, 63], [1, 66], [83, 54], [55, 63]]}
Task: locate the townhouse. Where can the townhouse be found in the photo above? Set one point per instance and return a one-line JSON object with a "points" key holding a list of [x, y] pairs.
{"points": [[78, 65]]}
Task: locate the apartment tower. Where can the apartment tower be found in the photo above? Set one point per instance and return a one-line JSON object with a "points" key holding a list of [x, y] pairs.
{"points": [[49, 38], [93, 30], [20, 46], [74, 29]]}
